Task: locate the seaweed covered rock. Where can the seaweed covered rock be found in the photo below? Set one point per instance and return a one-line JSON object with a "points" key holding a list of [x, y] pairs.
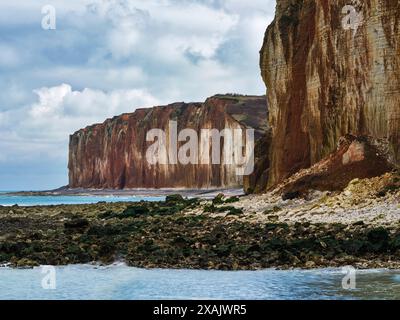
{"points": [[174, 198], [77, 223], [133, 211]]}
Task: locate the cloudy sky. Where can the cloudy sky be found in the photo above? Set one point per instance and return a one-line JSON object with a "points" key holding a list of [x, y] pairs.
{"points": [[106, 57]]}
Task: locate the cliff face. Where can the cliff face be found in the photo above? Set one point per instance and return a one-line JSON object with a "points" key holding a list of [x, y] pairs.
{"points": [[113, 154], [328, 77], [257, 181]]}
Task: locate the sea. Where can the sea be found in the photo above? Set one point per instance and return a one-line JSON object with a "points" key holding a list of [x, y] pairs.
{"points": [[120, 282], [21, 200]]}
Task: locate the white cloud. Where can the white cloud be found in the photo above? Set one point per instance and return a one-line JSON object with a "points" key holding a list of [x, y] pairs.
{"points": [[44, 126], [175, 28], [249, 7]]}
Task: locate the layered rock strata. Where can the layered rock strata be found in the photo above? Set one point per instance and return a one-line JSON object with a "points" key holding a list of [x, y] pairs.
{"points": [[331, 68], [112, 155]]}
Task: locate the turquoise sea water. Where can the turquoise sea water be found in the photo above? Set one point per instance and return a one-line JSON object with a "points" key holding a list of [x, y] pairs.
{"points": [[7, 200], [121, 282]]}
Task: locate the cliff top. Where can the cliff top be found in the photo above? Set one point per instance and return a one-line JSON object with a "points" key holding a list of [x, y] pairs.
{"points": [[232, 97]]}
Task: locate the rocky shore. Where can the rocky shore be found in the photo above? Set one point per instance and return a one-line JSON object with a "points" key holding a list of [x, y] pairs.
{"points": [[358, 226]]}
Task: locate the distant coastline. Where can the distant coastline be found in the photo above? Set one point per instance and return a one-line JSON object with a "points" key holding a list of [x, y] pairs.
{"points": [[66, 191]]}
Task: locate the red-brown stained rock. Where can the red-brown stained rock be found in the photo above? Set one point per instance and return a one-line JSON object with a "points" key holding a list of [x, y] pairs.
{"points": [[323, 82], [355, 158], [113, 154]]}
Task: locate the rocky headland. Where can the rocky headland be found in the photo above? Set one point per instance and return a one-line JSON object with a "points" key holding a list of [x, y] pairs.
{"points": [[112, 155]]}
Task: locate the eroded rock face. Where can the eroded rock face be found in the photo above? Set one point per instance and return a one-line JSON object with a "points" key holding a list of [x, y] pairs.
{"points": [[355, 158], [326, 80], [113, 154], [257, 182]]}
